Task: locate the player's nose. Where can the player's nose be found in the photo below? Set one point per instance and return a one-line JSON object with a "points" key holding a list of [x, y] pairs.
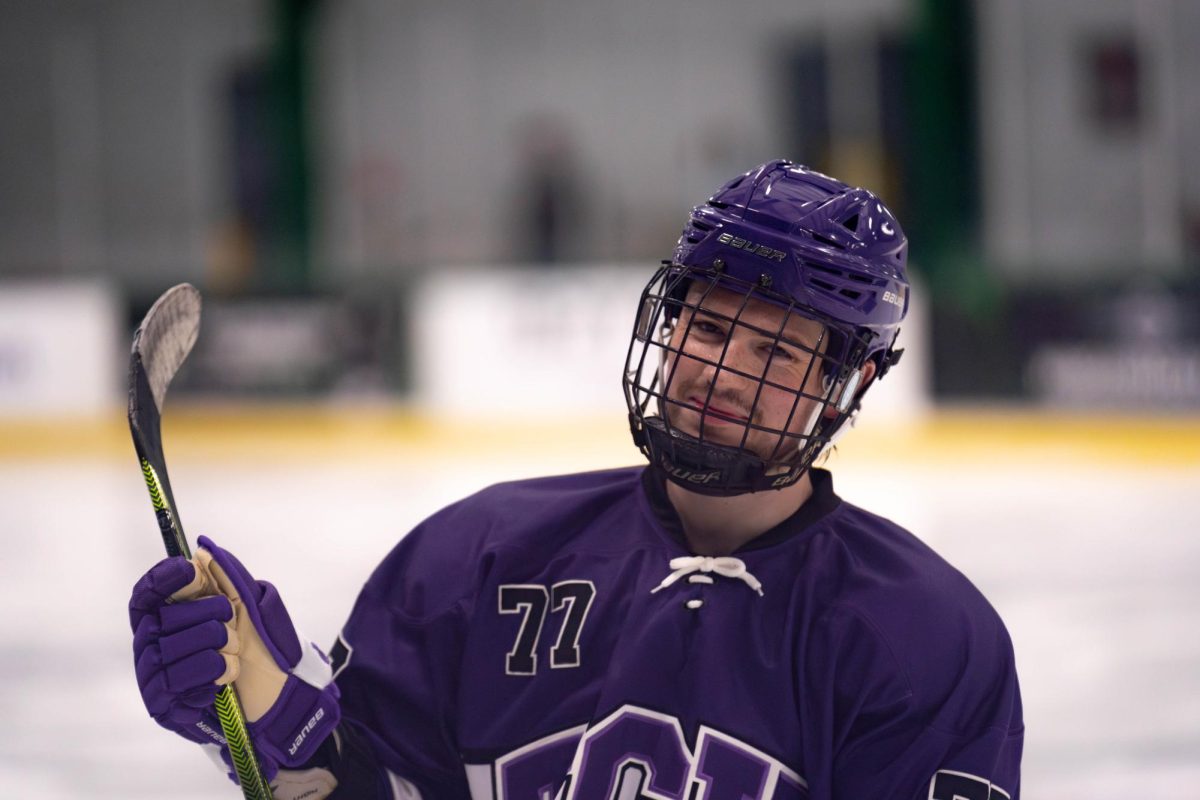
{"points": [[731, 372]]}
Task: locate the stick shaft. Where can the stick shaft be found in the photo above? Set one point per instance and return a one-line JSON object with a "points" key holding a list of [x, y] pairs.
{"points": [[168, 523], [229, 710], [241, 751]]}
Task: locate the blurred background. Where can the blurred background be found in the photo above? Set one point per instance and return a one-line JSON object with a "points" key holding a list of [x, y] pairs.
{"points": [[420, 230]]}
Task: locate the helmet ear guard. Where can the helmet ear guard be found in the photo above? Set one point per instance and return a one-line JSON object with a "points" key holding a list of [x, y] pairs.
{"points": [[845, 390]]}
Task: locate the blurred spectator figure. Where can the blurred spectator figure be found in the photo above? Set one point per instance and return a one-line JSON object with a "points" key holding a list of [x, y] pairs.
{"points": [[232, 257], [549, 195]]}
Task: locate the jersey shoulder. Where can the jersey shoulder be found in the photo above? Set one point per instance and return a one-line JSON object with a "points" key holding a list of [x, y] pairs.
{"points": [[896, 565], [444, 559], [948, 642]]}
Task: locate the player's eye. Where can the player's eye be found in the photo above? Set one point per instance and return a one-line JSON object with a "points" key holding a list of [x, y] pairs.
{"points": [[708, 328], [779, 353]]}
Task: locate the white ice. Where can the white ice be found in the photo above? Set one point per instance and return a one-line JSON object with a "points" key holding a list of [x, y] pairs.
{"points": [[1095, 568]]}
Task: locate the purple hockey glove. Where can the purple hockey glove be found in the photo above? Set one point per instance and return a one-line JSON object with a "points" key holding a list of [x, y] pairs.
{"points": [[200, 624], [181, 650]]}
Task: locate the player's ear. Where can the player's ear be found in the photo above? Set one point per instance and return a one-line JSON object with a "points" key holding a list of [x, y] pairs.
{"points": [[868, 375]]}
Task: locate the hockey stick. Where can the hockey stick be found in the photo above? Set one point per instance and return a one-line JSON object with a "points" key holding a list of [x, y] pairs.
{"points": [[160, 345]]}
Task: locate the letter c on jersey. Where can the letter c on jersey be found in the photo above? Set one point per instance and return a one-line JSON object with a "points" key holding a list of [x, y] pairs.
{"points": [[635, 752], [639, 753]]}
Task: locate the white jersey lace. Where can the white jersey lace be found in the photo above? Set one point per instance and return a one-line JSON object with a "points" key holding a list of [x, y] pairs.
{"points": [[727, 566]]}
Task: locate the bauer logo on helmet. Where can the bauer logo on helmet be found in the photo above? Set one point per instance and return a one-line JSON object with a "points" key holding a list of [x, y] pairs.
{"points": [[757, 249]]}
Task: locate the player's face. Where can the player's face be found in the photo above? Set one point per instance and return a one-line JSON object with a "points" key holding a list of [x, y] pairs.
{"points": [[719, 404]]}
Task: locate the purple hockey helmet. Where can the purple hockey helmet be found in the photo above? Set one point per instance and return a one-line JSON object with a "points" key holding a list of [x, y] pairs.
{"points": [[814, 248]]}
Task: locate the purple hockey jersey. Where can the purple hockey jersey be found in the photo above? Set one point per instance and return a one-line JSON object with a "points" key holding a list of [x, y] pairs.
{"points": [[536, 641]]}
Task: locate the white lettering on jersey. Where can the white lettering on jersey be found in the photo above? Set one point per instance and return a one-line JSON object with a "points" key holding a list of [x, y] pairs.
{"points": [[603, 760]]}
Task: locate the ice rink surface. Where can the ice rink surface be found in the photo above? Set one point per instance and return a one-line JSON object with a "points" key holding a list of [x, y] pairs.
{"points": [[1089, 548]]}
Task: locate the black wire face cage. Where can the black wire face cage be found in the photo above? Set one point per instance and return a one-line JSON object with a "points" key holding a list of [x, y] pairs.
{"points": [[734, 388]]}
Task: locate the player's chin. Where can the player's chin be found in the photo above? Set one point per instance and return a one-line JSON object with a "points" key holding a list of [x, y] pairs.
{"points": [[684, 419]]}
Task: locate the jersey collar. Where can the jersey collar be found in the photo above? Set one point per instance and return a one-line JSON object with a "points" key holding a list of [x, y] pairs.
{"points": [[822, 502]]}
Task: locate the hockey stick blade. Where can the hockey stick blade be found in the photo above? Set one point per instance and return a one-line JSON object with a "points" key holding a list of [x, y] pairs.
{"points": [[160, 345]]}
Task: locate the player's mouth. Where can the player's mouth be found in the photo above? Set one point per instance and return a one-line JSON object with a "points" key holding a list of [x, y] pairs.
{"points": [[716, 413]]}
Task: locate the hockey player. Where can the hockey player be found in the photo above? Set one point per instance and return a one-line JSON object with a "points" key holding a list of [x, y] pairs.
{"points": [[719, 624]]}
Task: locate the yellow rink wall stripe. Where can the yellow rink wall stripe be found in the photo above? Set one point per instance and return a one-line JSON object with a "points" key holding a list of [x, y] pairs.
{"points": [[322, 432]]}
